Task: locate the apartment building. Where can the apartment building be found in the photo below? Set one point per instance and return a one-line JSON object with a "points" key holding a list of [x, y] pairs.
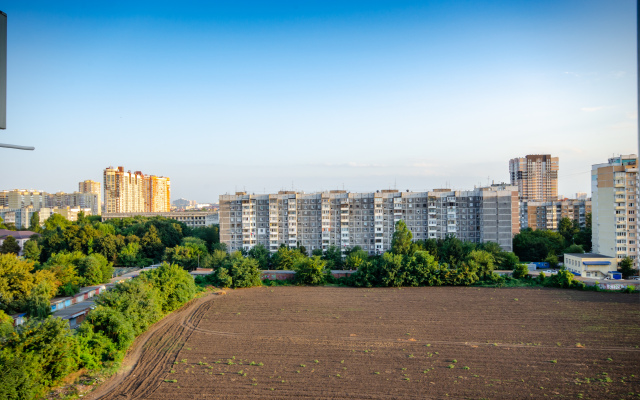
{"points": [[78, 200], [614, 207], [343, 219], [536, 177], [193, 219], [4, 198], [126, 191], [157, 198], [547, 215], [20, 217], [24, 198], [90, 187]]}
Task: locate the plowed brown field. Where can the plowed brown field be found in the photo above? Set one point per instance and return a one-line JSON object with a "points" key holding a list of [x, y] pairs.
{"points": [[411, 343]]}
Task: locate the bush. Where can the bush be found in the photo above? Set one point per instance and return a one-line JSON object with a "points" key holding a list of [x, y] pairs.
{"points": [[238, 272], [95, 349], [564, 279], [173, 284], [136, 300], [19, 373], [552, 259], [222, 278], [310, 271], [42, 352], [496, 279], [113, 325], [520, 271]]}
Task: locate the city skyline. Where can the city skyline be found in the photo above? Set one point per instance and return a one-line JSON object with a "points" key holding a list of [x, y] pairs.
{"points": [[317, 96]]}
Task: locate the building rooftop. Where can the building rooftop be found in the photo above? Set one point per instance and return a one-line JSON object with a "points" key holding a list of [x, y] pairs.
{"points": [[588, 255], [16, 234]]}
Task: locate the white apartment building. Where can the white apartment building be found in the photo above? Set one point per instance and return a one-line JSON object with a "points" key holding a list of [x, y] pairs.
{"points": [[192, 219], [614, 207], [343, 219]]}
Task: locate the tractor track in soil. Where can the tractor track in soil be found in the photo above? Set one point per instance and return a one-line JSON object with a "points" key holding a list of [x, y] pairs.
{"points": [[169, 335]]}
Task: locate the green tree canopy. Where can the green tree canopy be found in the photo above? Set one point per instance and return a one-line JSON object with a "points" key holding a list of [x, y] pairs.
{"points": [[310, 271], [10, 246], [626, 268], [401, 241], [174, 285], [261, 254]]}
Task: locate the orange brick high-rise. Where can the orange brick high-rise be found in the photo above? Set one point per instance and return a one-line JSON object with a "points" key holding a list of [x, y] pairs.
{"points": [[135, 192]]}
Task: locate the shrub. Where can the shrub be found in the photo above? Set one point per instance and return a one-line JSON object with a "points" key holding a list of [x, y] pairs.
{"points": [[136, 300], [113, 325], [95, 349], [19, 375], [174, 285], [564, 279], [245, 273], [222, 278], [46, 347], [310, 271], [520, 271], [238, 272]]}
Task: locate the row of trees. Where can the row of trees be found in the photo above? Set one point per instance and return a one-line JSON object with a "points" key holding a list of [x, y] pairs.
{"points": [[27, 288], [134, 241], [447, 262], [430, 262], [451, 250], [84, 252], [40, 353]]}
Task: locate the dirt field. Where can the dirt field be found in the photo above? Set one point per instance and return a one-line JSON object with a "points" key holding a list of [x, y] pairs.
{"points": [[336, 343]]}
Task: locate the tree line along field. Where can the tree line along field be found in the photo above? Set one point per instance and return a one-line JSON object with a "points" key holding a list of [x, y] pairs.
{"points": [[427, 342]]}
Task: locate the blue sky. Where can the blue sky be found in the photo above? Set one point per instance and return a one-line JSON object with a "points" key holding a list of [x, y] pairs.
{"points": [[316, 95]]}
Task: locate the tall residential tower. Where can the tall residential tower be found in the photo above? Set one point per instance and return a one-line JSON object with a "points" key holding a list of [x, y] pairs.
{"points": [[536, 177], [614, 207], [126, 192]]}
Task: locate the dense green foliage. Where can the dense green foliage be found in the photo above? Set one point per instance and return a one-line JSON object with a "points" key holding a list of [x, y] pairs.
{"points": [[18, 279], [177, 285], [537, 245], [236, 272], [36, 355], [10, 246], [136, 241], [520, 271], [626, 268], [39, 353], [310, 271]]}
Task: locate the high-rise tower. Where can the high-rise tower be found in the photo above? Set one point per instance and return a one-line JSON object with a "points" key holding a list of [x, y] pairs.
{"points": [[536, 177], [135, 192]]}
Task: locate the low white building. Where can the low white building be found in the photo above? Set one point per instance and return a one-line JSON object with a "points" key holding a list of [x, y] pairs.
{"points": [[590, 265]]}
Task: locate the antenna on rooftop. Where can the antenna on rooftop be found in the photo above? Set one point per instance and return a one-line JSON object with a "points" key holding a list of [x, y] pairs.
{"points": [[3, 82]]}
